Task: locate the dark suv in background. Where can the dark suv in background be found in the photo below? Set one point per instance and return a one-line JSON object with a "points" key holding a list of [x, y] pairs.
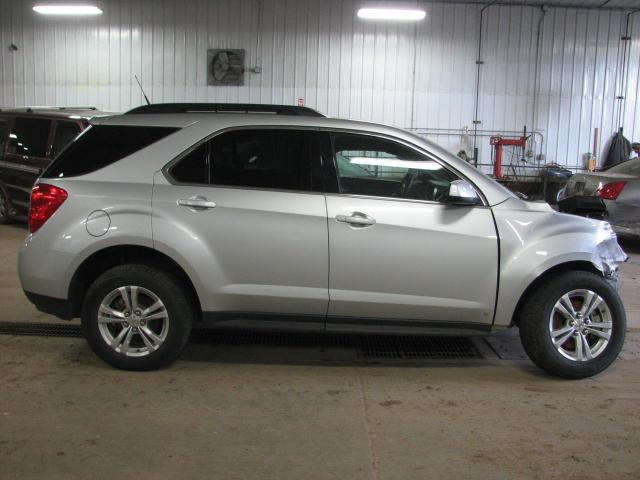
{"points": [[30, 138]]}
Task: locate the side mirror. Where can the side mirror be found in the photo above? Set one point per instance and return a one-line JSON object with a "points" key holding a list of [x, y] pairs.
{"points": [[462, 192]]}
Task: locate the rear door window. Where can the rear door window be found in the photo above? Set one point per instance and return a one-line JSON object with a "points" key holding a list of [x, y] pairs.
{"points": [[64, 135], [193, 167], [102, 145], [29, 136], [263, 158]]}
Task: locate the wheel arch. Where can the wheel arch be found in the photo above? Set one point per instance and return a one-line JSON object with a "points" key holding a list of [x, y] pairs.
{"points": [[577, 265], [102, 260]]}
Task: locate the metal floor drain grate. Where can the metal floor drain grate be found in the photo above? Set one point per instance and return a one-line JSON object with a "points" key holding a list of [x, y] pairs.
{"points": [[416, 347], [367, 347], [40, 329]]}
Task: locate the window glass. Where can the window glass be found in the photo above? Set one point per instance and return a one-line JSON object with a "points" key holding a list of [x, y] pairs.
{"points": [[377, 167], [193, 168], [102, 145], [29, 137], [269, 158], [65, 133]]}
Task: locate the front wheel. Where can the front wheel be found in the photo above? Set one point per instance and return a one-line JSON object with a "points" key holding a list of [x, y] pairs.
{"points": [[574, 326], [137, 318]]}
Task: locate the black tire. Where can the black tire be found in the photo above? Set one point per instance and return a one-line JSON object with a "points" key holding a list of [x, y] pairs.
{"points": [[5, 218], [534, 320], [179, 307]]}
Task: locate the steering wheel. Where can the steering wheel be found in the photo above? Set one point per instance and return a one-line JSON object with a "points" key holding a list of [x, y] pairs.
{"points": [[408, 181]]}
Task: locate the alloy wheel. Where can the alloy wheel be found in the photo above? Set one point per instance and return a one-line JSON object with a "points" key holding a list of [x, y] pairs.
{"points": [[133, 321], [580, 325]]}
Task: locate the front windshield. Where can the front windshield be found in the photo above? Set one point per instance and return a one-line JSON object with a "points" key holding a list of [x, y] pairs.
{"points": [[630, 167]]}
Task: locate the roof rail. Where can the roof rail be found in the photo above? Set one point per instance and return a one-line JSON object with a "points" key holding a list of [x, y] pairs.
{"points": [[33, 108], [224, 108]]}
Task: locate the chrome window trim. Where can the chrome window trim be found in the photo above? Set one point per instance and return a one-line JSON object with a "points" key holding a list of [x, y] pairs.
{"points": [[405, 200], [165, 170]]}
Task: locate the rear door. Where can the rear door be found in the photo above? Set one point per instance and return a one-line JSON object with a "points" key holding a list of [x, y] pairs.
{"points": [[246, 213], [27, 156], [400, 256]]}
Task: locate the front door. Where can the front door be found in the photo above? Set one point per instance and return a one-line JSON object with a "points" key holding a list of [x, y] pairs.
{"points": [[244, 211], [400, 256]]}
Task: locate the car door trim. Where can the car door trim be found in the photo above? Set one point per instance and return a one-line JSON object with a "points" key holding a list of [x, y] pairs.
{"points": [[338, 323]]}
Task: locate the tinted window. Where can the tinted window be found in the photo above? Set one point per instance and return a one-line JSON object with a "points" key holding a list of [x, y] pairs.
{"points": [[270, 158], [193, 168], [377, 167], [102, 145], [65, 133], [29, 137]]}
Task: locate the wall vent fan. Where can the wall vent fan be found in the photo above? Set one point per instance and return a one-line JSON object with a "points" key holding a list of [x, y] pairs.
{"points": [[225, 67]]}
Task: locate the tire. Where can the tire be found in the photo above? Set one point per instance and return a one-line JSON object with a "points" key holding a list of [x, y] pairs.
{"points": [[169, 321], [4, 209], [541, 320]]}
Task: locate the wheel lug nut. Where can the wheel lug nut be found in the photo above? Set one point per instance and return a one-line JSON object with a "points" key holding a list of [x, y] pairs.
{"points": [[126, 314], [142, 322]]}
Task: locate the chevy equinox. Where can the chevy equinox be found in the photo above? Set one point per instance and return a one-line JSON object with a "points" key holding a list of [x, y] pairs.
{"points": [[267, 216]]}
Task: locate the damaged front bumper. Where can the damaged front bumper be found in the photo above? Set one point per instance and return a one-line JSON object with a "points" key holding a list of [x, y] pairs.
{"points": [[608, 253]]}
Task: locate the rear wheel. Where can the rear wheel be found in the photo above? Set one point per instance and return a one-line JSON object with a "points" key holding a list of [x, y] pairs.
{"points": [[574, 326], [137, 318], [4, 209]]}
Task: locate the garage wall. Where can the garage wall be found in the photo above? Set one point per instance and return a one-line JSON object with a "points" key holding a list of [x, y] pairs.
{"points": [[420, 76]]}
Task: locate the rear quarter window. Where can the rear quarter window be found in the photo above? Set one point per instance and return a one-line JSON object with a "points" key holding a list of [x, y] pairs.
{"points": [[103, 145]]}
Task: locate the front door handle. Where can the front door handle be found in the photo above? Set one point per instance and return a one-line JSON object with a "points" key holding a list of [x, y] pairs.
{"points": [[357, 219], [197, 203]]}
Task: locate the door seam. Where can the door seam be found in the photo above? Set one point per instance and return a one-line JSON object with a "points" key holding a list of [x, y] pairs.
{"points": [[326, 313]]}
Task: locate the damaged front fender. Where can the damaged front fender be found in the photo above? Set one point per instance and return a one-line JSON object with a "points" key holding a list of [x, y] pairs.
{"points": [[608, 254]]}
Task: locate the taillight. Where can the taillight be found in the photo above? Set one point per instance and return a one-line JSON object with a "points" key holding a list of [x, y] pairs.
{"points": [[610, 191], [45, 200]]}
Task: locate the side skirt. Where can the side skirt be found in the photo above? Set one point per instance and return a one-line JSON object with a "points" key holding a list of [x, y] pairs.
{"points": [[334, 324]]}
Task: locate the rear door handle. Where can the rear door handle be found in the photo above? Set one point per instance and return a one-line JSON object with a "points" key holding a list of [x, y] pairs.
{"points": [[357, 219], [197, 203]]}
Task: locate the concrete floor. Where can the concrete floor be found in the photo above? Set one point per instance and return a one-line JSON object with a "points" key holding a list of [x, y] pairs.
{"points": [[278, 413]]}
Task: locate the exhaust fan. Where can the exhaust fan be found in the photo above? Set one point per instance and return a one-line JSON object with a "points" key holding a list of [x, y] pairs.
{"points": [[225, 67]]}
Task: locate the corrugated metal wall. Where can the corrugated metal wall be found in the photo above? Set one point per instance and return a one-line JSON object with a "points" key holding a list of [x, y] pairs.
{"points": [[420, 76]]}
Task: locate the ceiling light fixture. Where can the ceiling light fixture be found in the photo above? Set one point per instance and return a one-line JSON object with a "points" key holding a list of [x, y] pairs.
{"points": [[391, 14], [67, 9]]}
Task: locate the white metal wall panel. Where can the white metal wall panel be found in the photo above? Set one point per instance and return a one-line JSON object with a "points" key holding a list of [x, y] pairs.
{"points": [[420, 76]]}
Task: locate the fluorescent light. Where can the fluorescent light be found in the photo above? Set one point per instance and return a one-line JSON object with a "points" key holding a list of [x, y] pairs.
{"points": [[391, 14], [395, 162], [67, 9]]}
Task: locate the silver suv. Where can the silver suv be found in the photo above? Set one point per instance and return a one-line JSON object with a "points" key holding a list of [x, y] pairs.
{"points": [[258, 217]]}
